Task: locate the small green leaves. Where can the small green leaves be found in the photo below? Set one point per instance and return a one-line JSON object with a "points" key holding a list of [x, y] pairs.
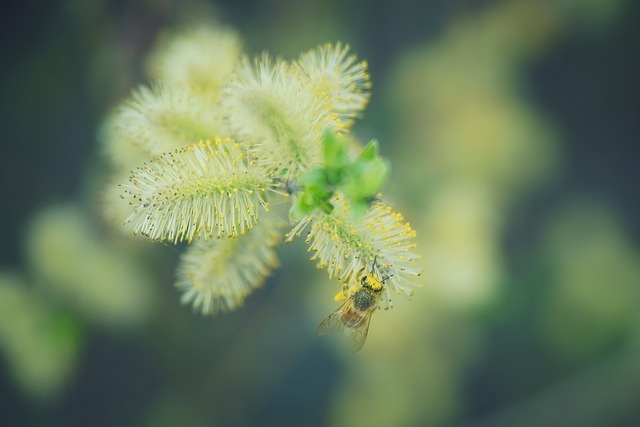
{"points": [[336, 158], [360, 180], [315, 194], [364, 178]]}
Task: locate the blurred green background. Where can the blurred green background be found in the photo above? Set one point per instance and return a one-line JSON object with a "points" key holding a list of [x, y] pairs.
{"points": [[512, 128]]}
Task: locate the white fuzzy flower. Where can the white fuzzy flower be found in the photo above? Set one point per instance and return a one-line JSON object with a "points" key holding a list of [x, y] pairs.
{"points": [[158, 120], [336, 75], [271, 108], [205, 190], [216, 275], [380, 243], [201, 59]]}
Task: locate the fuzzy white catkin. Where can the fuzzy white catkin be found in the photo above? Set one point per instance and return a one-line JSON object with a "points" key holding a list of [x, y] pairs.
{"points": [[273, 110], [201, 59], [206, 190], [381, 241], [216, 275], [156, 120], [339, 77]]}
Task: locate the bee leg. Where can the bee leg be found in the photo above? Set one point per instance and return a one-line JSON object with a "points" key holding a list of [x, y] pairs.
{"points": [[343, 294], [345, 289]]}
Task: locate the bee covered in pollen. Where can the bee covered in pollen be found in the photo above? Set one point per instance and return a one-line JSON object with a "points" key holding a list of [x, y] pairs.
{"points": [[354, 315]]}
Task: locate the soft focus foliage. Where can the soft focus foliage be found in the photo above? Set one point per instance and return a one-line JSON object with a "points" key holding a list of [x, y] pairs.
{"points": [[587, 248], [75, 278], [39, 343], [95, 278]]}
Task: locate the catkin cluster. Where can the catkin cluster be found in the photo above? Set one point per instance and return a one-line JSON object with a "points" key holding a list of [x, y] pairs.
{"points": [[202, 153]]}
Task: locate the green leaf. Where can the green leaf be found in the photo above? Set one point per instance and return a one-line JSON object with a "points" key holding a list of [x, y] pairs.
{"points": [[364, 179], [316, 177], [335, 150], [326, 207], [299, 210], [370, 151], [373, 175], [360, 180], [359, 208], [336, 157]]}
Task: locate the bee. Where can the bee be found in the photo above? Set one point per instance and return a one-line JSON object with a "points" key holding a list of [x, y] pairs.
{"points": [[354, 315]]}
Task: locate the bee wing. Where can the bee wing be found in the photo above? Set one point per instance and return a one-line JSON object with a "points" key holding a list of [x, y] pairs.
{"points": [[332, 322], [357, 335]]}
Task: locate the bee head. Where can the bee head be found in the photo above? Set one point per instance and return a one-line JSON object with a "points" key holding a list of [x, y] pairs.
{"points": [[371, 284]]}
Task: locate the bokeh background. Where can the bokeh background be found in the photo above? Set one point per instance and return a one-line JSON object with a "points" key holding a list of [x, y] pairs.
{"points": [[512, 128]]}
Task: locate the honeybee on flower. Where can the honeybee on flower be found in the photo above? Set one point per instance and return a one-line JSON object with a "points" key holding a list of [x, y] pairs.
{"points": [[354, 315]]}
